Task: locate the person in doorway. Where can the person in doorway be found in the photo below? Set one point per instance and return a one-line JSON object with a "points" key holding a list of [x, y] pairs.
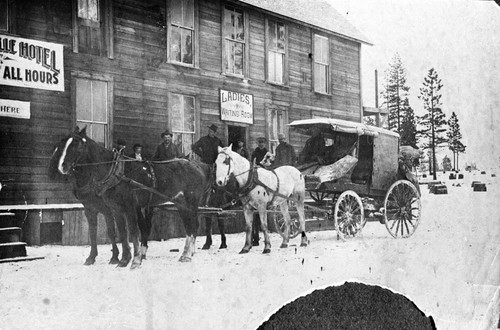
{"points": [[167, 149], [242, 150], [260, 152], [138, 152], [207, 146], [285, 154]]}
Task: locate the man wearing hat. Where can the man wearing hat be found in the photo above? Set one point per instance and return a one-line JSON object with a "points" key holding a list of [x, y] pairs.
{"points": [[260, 152], [167, 149], [207, 146], [285, 154]]}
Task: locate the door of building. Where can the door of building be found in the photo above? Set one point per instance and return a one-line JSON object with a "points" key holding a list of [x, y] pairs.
{"points": [[235, 134]]}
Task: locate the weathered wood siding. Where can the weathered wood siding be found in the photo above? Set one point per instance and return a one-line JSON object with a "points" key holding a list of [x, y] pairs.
{"points": [[142, 79]]}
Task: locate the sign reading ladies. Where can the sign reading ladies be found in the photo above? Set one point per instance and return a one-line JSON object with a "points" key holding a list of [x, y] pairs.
{"points": [[236, 107], [31, 63]]}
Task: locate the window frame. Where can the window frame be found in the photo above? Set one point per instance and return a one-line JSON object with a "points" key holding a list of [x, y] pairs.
{"points": [[196, 126], [268, 49], [274, 128], [195, 31], [11, 10], [246, 43], [108, 79], [105, 14], [327, 66]]}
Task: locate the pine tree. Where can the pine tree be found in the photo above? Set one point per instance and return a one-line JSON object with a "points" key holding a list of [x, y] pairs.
{"points": [[409, 129], [395, 94], [454, 136], [434, 121]]}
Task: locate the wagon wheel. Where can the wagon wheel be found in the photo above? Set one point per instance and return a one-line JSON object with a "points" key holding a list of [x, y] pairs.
{"points": [[279, 220], [402, 209], [349, 214], [318, 195]]}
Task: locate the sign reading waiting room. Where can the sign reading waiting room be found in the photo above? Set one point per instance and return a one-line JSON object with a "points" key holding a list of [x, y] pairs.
{"points": [[31, 63], [237, 107]]}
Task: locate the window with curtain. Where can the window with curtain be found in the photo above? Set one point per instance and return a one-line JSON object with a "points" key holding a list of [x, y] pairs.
{"points": [[234, 41], [92, 109], [183, 121], [182, 29], [276, 52], [92, 33], [321, 64]]}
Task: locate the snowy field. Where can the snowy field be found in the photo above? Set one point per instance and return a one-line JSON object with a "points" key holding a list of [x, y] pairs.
{"points": [[450, 268]]}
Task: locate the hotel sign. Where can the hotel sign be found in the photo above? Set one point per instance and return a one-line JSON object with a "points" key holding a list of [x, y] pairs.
{"points": [[15, 109], [237, 107], [31, 63]]}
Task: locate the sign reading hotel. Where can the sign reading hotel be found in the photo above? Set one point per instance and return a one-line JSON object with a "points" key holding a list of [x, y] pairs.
{"points": [[31, 63], [237, 107], [15, 109]]}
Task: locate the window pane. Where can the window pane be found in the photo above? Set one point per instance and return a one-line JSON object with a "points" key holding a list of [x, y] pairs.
{"points": [[240, 29], [272, 35], [4, 14], [88, 9], [238, 58], [271, 66], [99, 101], [281, 37], [187, 50], [188, 13], [228, 24], [319, 79], [176, 112], [83, 100], [99, 133], [279, 68], [325, 51], [189, 119], [176, 44], [176, 14]]}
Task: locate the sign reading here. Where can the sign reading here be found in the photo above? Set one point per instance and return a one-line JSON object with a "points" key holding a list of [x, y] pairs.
{"points": [[16, 109], [237, 107]]}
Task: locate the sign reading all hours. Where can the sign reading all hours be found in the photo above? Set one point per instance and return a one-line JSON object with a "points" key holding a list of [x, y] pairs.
{"points": [[237, 107], [31, 63]]}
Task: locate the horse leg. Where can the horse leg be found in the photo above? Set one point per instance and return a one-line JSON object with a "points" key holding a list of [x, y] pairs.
{"points": [[302, 221], [130, 212], [222, 231], [263, 223], [110, 229], [144, 222], [92, 220], [286, 217], [188, 211], [208, 233], [248, 213], [255, 229], [122, 230]]}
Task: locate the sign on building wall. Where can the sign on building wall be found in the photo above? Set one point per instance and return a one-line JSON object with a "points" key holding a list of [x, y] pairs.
{"points": [[16, 109], [31, 63], [237, 107]]}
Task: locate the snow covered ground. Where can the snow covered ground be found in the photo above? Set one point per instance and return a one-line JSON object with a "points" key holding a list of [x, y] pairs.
{"points": [[450, 268]]}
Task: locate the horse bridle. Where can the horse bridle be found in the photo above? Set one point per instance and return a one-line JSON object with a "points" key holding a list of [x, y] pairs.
{"points": [[80, 154]]}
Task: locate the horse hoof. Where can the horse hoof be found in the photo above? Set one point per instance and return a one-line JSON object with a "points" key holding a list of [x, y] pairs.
{"points": [[223, 246], [114, 261], [243, 251], [206, 247], [255, 243], [89, 262], [266, 251], [303, 244], [184, 259], [283, 246], [135, 265], [143, 257]]}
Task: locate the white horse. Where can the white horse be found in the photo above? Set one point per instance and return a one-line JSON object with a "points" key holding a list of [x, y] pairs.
{"points": [[261, 188]]}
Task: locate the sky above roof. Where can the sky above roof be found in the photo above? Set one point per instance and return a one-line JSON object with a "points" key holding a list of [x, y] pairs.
{"points": [[460, 39]]}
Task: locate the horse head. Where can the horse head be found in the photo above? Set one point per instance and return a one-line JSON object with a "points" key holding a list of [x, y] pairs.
{"points": [[71, 150], [223, 168]]}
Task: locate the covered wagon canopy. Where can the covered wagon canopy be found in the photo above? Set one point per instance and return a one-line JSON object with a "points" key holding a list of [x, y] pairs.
{"points": [[330, 125]]}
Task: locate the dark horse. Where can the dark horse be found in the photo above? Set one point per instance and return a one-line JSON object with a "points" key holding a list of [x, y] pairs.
{"points": [[179, 181]]}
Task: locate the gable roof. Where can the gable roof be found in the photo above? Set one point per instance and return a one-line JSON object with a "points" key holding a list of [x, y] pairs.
{"points": [[314, 12]]}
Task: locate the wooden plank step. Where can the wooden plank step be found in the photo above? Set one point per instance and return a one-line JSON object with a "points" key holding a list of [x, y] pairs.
{"points": [[9, 229], [16, 259], [7, 214], [12, 244], [12, 250]]}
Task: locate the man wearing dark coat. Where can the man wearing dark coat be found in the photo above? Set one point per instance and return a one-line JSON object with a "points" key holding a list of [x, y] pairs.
{"points": [[167, 149], [285, 154], [207, 146], [259, 152]]}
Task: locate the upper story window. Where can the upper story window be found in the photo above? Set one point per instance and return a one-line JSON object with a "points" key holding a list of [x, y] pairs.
{"points": [[321, 64], [92, 27], [92, 108], [182, 31], [4, 15], [234, 42], [276, 52]]}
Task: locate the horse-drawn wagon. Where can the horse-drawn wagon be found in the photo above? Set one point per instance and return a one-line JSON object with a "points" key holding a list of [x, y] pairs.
{"points": [[359, 175]]}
